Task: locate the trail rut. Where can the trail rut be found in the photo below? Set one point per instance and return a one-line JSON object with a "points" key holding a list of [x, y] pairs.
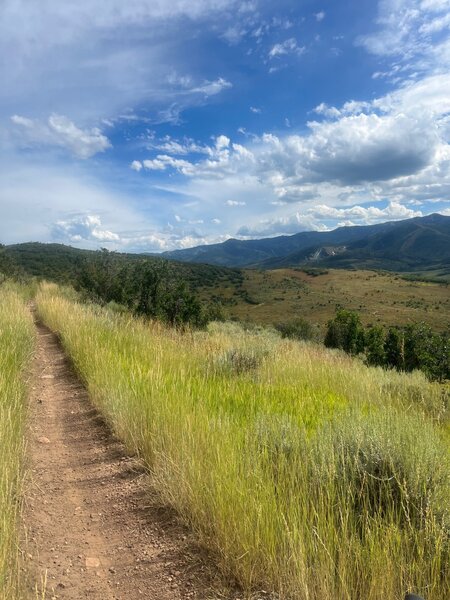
{"points": [[91, 527]]}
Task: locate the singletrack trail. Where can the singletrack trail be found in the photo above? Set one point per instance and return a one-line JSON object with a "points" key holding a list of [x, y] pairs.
{"points": [[92, 526]]}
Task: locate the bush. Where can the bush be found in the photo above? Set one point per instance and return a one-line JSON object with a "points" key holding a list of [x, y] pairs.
{"points": [[394, 468], [297, 329], [238, 361]]}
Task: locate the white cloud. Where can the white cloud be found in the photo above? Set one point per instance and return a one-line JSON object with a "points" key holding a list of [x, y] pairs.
{"points": [[175, 146], [393, 149], [92, 60], [185, 85], [320, 16], [399, 154], [289, 46], [163, 161], [136, 165], [60, 131], [280, 225], [83, 228], [410, 31], [34, 195], [222, 141], [367, 215], [255, 110]]}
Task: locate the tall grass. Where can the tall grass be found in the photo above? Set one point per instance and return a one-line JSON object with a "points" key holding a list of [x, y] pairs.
{"points": [[303, 471], [16, 344]]}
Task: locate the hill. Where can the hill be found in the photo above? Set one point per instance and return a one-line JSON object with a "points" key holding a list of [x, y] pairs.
{"points": [[61, 263], [418, 244]]}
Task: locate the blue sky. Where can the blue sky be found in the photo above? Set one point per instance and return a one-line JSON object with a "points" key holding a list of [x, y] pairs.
{"points": [[152, 125]]}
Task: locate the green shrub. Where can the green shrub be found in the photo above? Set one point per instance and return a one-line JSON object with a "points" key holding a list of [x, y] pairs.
{"points": [[297, 329]]}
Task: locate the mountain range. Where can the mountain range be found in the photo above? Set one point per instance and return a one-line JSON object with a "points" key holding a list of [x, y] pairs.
{"points": [[417, 244]]}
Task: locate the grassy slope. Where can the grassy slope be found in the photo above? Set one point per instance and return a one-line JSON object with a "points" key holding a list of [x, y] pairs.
{"points": [[16, 342], [383, 298], [275, 296], [302, 470]]}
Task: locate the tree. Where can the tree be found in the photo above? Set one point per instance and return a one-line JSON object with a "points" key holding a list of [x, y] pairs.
{"points": [[346, 332], [394, 348], [427, 351], [374, 340]]}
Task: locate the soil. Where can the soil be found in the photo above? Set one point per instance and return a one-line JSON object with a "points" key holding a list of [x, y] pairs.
{"points": [[93, 527]]}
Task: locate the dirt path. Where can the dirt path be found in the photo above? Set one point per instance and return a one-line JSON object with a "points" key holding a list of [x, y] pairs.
{"points": [[90, 532]]}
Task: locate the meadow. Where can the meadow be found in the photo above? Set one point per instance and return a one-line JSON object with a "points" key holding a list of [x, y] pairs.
{"points": [[300, 469], [382, 298], [16, 346]]}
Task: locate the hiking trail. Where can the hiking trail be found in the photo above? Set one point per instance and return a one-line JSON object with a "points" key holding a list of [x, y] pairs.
{"points": [[93, 527]]}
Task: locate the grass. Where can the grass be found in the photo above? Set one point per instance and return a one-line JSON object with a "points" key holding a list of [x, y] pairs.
{"points": [[281, 295], [16, 344], [301, 470]]}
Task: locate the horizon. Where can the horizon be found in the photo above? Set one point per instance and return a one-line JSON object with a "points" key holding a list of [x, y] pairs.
{"points": [[155, 126], [213, 243]]}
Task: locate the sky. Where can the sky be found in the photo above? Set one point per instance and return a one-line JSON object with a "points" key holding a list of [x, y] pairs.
{"points": [[152, 125]]}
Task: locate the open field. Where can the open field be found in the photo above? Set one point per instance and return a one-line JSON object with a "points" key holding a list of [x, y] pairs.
{"points": [[16, 345], [303, 471], [379, 298]]}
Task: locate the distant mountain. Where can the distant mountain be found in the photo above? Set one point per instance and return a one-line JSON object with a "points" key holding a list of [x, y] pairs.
{"points": [[418, 244]]}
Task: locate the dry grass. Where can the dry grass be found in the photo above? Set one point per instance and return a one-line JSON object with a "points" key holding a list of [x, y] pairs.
{"points": [[302, 470], [16, 344], [379, 298]]}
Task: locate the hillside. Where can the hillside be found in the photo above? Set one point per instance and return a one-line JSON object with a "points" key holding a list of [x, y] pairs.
{"points": [[61, 263], [271, 295], [274, 296], [419, 244]]}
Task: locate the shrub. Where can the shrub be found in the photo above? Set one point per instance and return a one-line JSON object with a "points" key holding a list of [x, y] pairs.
{"points": [[297, 329]]}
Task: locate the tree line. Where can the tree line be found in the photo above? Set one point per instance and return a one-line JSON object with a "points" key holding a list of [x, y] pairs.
{"points": [[414, 346]]}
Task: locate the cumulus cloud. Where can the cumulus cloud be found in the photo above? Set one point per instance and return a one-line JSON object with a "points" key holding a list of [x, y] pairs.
{"points": [[87, 228], [350, 150], [60, 131], [136, 165], [366, 147], [312, 219], [235, 203], [367, 215], [83, 228], [393, 147], [320, 16]]}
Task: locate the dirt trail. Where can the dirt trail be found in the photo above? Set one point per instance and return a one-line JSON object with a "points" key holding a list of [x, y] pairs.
{"points": [[90, 531]]}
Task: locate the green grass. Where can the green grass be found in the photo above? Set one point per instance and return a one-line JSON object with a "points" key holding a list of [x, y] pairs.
{"points": [[16, 344], [301, 470]]}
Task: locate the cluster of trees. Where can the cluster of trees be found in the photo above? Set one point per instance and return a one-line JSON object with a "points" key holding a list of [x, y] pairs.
{"points": [[149, 287], [8, 268], [406, 348]]}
